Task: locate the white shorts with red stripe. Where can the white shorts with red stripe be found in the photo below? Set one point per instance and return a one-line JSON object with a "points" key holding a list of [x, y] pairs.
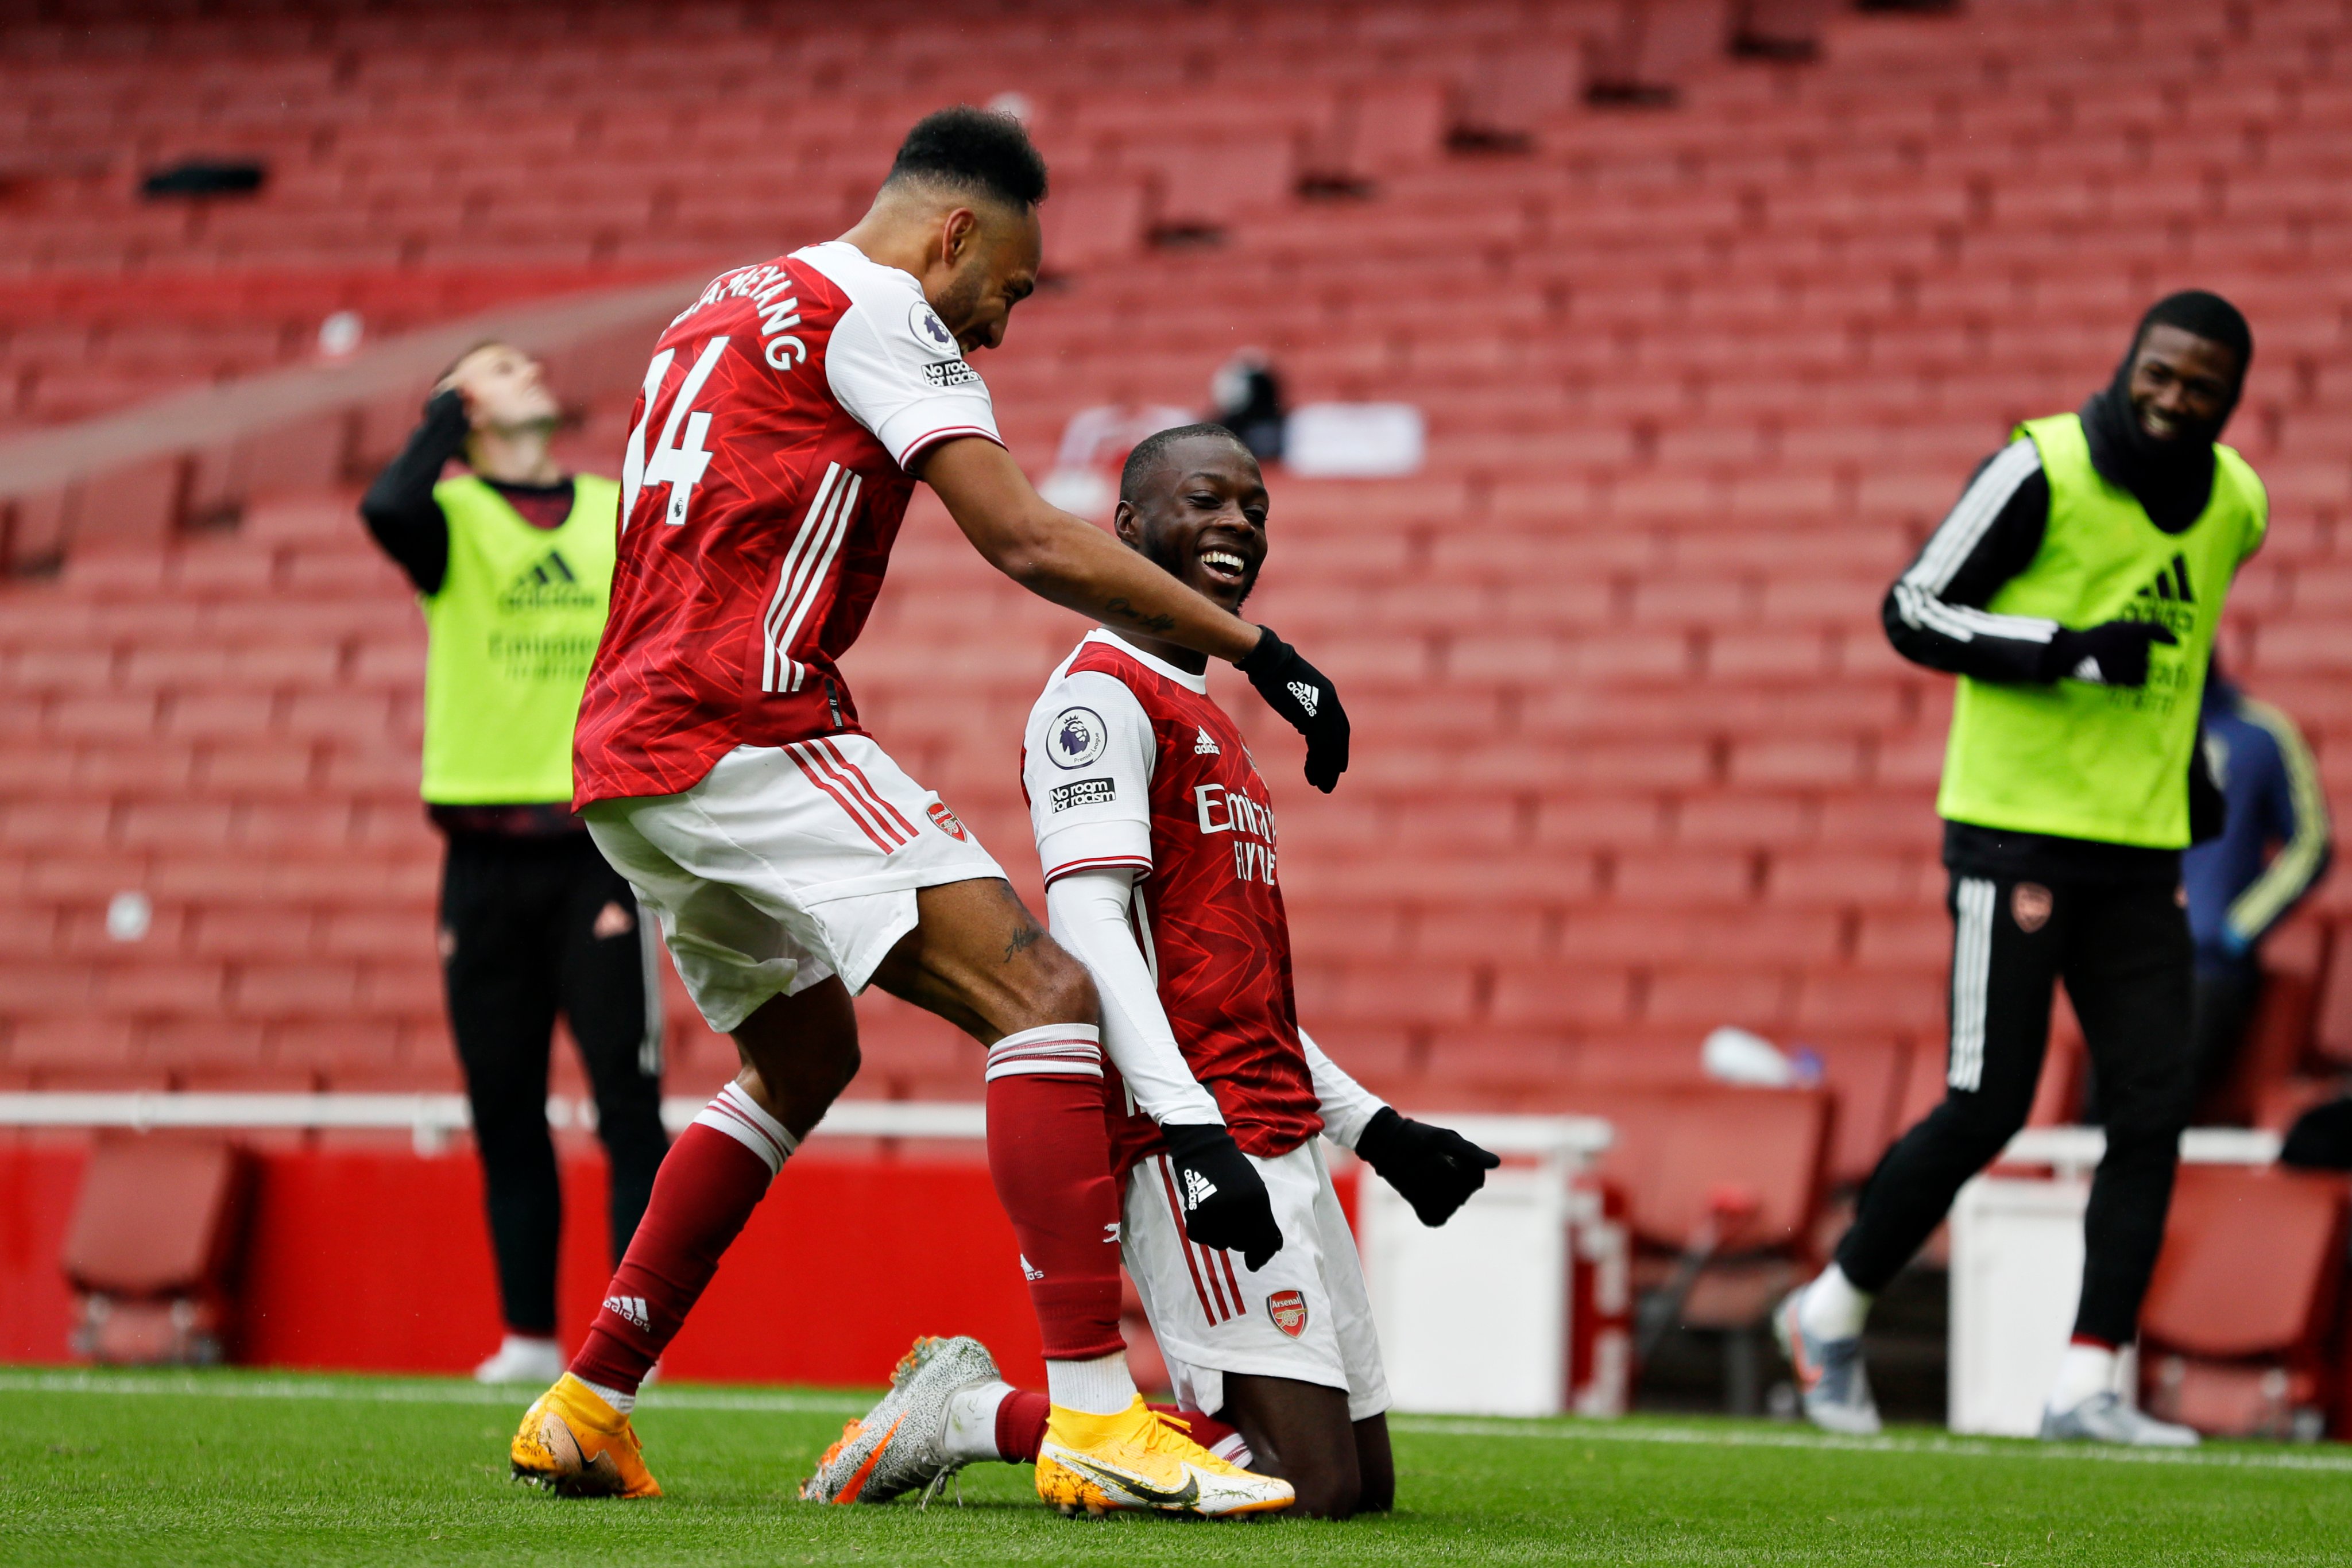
{"points": [[1304, 1315], [786, 864]]}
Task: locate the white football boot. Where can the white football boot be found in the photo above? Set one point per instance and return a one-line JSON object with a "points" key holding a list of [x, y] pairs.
{"points": [[899, 1446]]}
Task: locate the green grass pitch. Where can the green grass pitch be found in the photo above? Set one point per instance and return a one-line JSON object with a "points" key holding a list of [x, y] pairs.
{"points": [[251, 1468]]}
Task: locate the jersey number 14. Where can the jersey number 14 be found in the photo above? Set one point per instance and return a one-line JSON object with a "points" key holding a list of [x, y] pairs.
{"points": [[680, 458]]}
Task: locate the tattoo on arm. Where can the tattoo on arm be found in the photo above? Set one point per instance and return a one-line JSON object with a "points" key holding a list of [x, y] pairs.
{"points": [[1125, 610]]}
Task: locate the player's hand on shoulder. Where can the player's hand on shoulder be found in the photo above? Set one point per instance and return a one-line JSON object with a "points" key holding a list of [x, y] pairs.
{"points": [[1435, 1169], [1305, 695], [1223, 1198]]}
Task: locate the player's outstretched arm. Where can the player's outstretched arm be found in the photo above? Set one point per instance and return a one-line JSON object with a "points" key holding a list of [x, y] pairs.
{"points": [[1068, 561], [1435, 1169]]}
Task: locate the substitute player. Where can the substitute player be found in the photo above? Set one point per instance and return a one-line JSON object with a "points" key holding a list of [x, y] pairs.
{"points": [[720, 765], [1157, 840], [511, 559], [2075, 589]]}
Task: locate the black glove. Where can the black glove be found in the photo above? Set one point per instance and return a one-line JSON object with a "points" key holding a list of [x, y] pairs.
{"points": [[1223, 1198], [1435, 1169], [1306, 696], [2113, 655]]}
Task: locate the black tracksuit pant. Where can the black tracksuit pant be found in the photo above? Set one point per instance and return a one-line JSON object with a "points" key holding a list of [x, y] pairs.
{"points": [[2123, 949], [532, 927]]}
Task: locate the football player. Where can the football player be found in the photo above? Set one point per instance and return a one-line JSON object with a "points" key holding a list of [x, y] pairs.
{"points": [[1157, 838], [787, 416]]}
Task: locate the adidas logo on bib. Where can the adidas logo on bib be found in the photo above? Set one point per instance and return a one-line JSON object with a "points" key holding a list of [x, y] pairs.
{"points": [[1204, 745]]}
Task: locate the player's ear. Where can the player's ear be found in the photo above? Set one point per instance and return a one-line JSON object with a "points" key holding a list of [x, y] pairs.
{"points": [[956, 235], [1124, 524]]}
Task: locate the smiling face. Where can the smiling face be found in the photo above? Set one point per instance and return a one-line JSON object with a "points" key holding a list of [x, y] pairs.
{"points": [[987, 263], [2182, 382], [1200, 516]]}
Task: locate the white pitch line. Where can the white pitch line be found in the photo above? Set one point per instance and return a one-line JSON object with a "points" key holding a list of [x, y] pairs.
{"points": [[654, 1398], [779, 1403], [1953, 1447]]}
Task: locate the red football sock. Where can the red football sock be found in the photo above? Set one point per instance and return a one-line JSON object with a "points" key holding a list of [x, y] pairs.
{"points": [[710, 1182], [1021, 1426], [1049, 1154]]}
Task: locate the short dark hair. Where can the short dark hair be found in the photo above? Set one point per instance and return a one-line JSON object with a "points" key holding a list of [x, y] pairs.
{"points": [[1149, 452], [2203, 315], [974, 149]]}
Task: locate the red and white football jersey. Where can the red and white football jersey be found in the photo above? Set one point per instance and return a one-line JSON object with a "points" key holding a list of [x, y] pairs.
{"points": [[1129, 762], [763, 489]]}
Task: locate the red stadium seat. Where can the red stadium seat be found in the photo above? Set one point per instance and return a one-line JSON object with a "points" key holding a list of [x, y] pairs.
{"points": [[1633, 755], [2236, 1327]]}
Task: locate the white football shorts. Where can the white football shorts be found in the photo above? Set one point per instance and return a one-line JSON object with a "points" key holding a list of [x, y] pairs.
{"points": [[1304, 1316], [786, 864]]}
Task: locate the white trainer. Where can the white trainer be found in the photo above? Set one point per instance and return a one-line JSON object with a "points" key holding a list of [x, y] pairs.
{"points": [[522, 1359], [1829, 1372], [2103, 1417]]}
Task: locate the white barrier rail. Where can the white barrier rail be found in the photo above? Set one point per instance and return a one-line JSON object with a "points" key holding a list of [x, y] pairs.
{"points": [[2074, 1151], [428, 1119], [431, 1119]]}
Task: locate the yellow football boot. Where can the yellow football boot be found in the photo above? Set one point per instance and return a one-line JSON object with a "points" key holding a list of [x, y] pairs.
{"points": [[1095, 1464], [574, 1444]]}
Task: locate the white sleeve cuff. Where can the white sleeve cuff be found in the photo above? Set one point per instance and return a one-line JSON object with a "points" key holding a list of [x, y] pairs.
{"points": [[1082, 846]]}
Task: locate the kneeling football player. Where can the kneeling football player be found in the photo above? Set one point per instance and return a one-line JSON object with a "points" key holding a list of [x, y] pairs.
{"points": [[1159, 849]]}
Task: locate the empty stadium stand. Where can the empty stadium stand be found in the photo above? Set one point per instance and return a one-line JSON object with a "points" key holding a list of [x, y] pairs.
{"points": [[1706, 341], [2240, 1324]]}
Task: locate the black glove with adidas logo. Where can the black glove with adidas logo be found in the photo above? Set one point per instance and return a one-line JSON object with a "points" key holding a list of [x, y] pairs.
{"points": [[2112, 655], [1306, 696], [1435, 1169], [1221, 1195]]}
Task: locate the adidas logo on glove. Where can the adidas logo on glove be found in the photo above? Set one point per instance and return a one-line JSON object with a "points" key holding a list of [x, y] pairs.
{"points": [[1198, 1189], [1307, 697]]}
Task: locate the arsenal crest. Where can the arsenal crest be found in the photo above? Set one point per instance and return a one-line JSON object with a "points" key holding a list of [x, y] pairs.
{"points": [[945, 820], [1288, 1310], [2030, 906]]}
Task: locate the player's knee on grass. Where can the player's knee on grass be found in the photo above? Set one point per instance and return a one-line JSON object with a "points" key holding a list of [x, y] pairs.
{"points": [[1375, 1466], [1300, 1432]]}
